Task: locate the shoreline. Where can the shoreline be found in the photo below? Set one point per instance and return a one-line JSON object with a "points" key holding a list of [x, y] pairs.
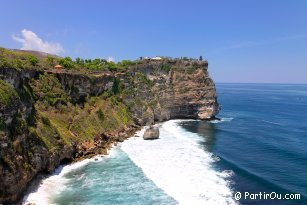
{"points": [[171, 142], [34, 184], [93, 153], [86, 114]]}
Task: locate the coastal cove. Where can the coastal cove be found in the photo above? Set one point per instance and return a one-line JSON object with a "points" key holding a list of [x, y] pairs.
{"points": [[140, 179], [59, 113], [153, 102], [206, 162]]}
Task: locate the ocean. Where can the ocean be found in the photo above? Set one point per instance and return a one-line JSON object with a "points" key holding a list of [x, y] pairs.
{"points": [[258, 147]]}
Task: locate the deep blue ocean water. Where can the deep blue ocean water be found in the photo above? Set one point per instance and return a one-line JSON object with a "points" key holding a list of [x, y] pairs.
{"points": [[260, 145], [265, 143]]}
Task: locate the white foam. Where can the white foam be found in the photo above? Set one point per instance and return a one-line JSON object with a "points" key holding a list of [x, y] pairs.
{"points": [[55, 183], [223, 119], [270, 122], [182, 169]]}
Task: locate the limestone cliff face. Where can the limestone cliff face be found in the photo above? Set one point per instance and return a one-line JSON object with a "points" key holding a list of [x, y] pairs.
{"points": [[177, 89], [33, 139]]}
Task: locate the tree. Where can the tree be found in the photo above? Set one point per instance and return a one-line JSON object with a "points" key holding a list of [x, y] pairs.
{"points": [[116, 86], [79, 61], [33, 60], [50, 60], [67, 62], [112, 66]]}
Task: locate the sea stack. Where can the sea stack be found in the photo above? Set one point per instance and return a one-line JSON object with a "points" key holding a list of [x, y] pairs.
{"points": [[151, 133]]}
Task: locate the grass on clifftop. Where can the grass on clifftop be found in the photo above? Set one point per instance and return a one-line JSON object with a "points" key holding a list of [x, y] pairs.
{"points": [[21, 59], [18, 60]]}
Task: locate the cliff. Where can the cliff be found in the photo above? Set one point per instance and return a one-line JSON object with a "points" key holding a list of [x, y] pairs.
{"points": [[49, 116]]}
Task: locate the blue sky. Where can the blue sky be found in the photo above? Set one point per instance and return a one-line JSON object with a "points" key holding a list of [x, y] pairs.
{"points": [[243, 40]]}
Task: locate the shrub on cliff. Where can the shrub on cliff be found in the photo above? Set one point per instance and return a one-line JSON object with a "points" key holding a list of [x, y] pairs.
{"points": [[166, 68], [67, 62], [8, 95], [100, 114], [112, 66], [17, 60], [19, 125], [143, 79], [48, 89], [2, 124], [126, 63], [32, 60], [116, 88], [50, 60]]}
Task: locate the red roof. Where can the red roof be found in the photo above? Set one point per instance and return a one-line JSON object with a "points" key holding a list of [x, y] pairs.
{"points": [[58, 66]]}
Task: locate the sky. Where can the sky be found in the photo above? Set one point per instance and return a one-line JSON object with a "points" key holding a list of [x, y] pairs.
{"points": [[254, 41]]}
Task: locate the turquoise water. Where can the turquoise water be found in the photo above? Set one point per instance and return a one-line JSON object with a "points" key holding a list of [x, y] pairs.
{"points": [[260, 145], [116, 180]]}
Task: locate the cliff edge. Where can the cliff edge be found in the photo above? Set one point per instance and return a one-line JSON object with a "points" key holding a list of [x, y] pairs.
{"points": [[47, 115]]}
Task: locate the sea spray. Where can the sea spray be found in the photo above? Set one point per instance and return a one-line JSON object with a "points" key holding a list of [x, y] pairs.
{"points": [[177, 165], [113, 179], [173, 169], [55, 183]]}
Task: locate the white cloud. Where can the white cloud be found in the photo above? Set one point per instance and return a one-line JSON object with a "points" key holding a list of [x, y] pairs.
{"points": [[30, 41], [110, 59]]}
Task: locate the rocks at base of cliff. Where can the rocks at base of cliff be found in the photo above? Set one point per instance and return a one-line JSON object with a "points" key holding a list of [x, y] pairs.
{"points": [[151, 133]]}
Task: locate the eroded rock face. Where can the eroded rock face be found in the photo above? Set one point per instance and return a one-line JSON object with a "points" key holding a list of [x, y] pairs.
{"points": [[183, 90], [151, 133], [154, 91], [192, 94]]}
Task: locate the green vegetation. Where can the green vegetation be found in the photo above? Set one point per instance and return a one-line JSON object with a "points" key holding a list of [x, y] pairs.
{"points": [[100, 114], [76, 124], [54, 111], [126, 63], [33, 60], [57, 121], [143, 79], [50, 60], [67, 62], [47, 133], [17, 60], [19, 125], [2, 124], [166, 68], [97, 64], [49, 90], [116, 88], [8, 94], [26, 60]]}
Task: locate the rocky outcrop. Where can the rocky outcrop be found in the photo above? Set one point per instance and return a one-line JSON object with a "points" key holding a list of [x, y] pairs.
{"points": [[36, 138], [177, 89], [151, 133], [79, 86]]}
